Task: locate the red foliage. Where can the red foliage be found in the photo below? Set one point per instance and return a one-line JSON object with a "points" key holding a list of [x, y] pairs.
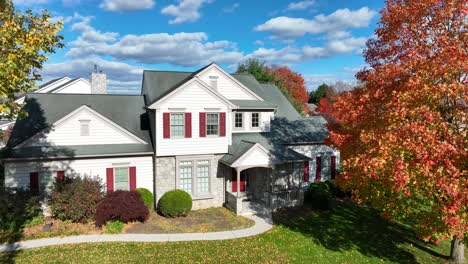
{"points": [[126, 206], [293, 83], [403, 135]]}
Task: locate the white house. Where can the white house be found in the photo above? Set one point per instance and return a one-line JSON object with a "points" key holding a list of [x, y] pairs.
{"points": [[224, 138], [65, 85]]}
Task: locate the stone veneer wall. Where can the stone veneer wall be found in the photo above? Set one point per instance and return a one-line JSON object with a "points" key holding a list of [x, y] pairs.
{"points": [[165, 180]]}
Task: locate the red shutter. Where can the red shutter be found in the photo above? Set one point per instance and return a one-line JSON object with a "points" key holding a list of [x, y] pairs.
{"points": [[202, 124], [60, 176], [333, 167], [110, 179], [222, 124], [34, 182], [132, 178], [188, 125], [306, 171], [166, 125], [318, 169]]}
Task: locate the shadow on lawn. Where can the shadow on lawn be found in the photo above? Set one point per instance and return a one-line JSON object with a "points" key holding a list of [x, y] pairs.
{"points": [[348, 227]]}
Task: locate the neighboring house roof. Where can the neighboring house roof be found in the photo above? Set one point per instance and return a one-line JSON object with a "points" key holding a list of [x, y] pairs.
{"points": [[63, 85], [127, 111], [312, 107]]}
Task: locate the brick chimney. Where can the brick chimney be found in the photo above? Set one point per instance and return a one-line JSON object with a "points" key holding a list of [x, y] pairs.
{"points": [[98, 81]]}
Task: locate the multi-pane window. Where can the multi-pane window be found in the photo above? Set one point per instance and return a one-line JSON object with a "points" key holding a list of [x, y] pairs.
{"points": [[177, 125], [84, 127], [212, 124], [185, 176], [238, 120], [121, 179], [203, 176], [255, 119], [46, 181]]}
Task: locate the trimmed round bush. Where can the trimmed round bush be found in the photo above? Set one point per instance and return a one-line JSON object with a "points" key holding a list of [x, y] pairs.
{"points": [[175, 203], [318, 195], [75, 198], [124, 206], [147, 197]]}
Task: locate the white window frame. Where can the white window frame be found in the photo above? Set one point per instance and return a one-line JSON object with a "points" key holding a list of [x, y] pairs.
{"points": [[170, 124], [85, 128], [128, 177], [195, 159], [251, 120], [242, 120], [206, 125]]}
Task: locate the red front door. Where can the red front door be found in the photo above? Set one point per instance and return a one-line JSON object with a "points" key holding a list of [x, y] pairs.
{"points": [[234, 181]]}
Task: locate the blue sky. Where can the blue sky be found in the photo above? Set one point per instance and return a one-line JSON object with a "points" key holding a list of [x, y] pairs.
{"points": [[323, 40]]}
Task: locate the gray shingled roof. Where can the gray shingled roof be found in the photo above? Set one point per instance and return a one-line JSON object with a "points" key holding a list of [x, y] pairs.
{"points": [[127, 111], [242, 142], [253, 104], [271, 94], [68, 152], [156, 84]]}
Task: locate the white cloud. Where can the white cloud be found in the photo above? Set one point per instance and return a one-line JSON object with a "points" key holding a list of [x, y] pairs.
{"points": [[183, 49], [301, 5], [259, 43], [231, 8], [89, 35], [126, 6], [293, 54], [287, 27], [185, 11]]}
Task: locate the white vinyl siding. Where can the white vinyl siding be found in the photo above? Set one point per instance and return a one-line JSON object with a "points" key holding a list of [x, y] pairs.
{"points": [[68, 133], [17, 173], [121, 179], [177, 125], [193, 99]]}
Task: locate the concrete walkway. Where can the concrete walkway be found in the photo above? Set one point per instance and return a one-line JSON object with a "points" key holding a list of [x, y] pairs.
{"points": [[262, 224]]}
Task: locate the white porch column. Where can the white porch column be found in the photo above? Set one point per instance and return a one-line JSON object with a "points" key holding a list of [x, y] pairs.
{"points": [[238, 170]]}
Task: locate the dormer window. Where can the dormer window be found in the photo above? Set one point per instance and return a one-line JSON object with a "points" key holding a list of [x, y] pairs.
{"points": [[214, 82], [84, 128]]}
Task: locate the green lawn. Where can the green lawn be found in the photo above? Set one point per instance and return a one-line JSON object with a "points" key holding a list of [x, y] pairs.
{"points": [[347, 234]]}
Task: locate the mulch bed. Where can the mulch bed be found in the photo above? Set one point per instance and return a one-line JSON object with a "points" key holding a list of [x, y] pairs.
{"points": [[206, 220]]}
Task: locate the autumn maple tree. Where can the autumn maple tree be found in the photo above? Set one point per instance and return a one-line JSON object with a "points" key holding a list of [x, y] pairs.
{"points": [[290, 83], [25, 40], [403, 135]]}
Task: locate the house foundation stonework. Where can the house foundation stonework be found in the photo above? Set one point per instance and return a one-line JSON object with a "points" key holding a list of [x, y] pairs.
{"points": [[168, 178], [226, 139]]}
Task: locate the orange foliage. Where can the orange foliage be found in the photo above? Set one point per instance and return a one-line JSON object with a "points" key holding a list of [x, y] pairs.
{"points": [[294, 85], [403, 136]]}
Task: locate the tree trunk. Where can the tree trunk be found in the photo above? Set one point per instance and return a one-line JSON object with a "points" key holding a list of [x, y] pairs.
{"points": [[457, 251]]}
